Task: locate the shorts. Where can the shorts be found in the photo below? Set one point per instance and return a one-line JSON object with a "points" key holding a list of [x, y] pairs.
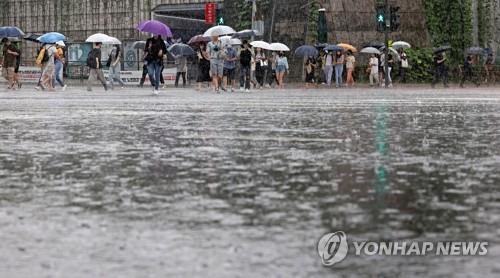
{"points": [[216, 69], [229, 73], [280, 68]]}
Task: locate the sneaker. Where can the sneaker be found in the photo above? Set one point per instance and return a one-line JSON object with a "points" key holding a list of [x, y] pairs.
{"points": [[155, 92], [268, 86], [37, 88], [247, 91], [64, 88], [242, 89]]}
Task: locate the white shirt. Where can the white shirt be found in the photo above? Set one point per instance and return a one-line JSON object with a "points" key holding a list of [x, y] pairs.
{"points": [[374, 65]]}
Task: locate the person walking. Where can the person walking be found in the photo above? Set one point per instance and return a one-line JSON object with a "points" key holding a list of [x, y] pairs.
{"points": [[48, 71], [181, 65], [154, 53], [246, 56], [489, 67], [374, 67], [230, 58], [215, 52], [403, 65], [468, 72], [350, 63], [114, 62], [329, 68], [339, 68], [9, 53], [59, 65], [388, 74], [281, 69], [203, 66], [310, 67], [94, 63], [440, 70], [260, 66]]}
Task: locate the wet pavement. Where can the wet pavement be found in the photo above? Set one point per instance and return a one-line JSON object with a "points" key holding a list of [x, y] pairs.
{"points": [[192, 184]]}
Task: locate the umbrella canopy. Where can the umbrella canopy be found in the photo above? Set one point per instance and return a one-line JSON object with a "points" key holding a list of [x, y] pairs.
{"points": [[102, 38], [139, 45], [442, 49], [115, 40], [11, 32], [401, 44], [306, 51], [370, 50], [155, 27], [180, 49], [230, 40], [219, 30], [333, 47], [198, 39], [279, 47], [261, 44], [32, 37], [347, 47], [51, 37], [247, 33], [476, 50], [235, 41]]}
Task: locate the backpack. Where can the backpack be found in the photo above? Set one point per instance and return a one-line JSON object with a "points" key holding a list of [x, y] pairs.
{"points": [[42, 56], [91, 59]]}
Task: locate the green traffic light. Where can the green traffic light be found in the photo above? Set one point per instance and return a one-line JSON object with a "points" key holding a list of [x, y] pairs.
{"points": [[380, 18]]}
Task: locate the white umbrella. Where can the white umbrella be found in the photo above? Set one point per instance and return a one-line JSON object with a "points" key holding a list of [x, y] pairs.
{"points": [[219, 30], [115, 40], [370, 50], [236, 41], [102, 38], [279, 47], [261, 44], [225, 40], [401, 44]]}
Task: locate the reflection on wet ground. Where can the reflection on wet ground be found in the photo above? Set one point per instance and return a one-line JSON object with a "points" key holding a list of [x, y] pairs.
{"points": [[243, 185]]}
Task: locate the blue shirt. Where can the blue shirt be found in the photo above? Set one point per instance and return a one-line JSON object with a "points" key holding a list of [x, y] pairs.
{"points": [[230, 54]]}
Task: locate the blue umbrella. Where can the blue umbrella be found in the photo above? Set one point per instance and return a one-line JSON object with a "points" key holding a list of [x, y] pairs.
{"points": [[11, 32], [52, 37], [306, 51], [333, 47], [180, 49]]}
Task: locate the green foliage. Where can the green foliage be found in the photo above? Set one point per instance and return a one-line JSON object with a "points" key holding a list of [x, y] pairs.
{"points": [[484, 20], [450, 23], [244, 17], [421, 64], [312, 24]]}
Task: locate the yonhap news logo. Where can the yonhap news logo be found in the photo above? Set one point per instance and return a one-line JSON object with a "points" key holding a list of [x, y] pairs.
{"points": [[333, 248]]}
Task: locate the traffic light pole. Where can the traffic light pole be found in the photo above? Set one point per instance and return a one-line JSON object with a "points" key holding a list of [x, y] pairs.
{"points": [[386, 42]]}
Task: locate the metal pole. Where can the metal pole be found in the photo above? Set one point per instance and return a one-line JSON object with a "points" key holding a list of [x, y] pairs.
{"points": [[254, 11], [386, 52]]}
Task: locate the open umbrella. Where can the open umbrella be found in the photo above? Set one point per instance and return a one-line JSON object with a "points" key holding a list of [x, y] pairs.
{"points": [[306, 51], [180, 49], [198, 39], [279, 47], [155, 27], [347, 47], [102, 38], [32, 37], [374, 44], [115, 40], [401, 44], [51, 37], [235, 41], [442, 49], [370, 50], [11, 32], [333, 47], [261, 44], [139, 45], [247, 33], [476, 50], [219, 30]]}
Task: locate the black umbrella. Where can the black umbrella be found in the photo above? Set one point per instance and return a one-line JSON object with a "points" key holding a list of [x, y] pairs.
{"points": [[180, 49], [306, 51], [321, 45], [139, 45], [442, 49]]}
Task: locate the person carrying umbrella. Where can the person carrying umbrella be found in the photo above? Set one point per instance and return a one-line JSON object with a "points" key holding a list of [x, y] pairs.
{"points": [[115, 66], [245, 66], [203, 65], [181, 66], [310, 66], [440, 69], [339, 68], [48, 70], [94, 62], [328, 67], [281, 68], [467, 71], [403, 65], [10, 53], [59, 65], [260, 66], [215, 52], [230, 58], [154, 52], [373, 68]]}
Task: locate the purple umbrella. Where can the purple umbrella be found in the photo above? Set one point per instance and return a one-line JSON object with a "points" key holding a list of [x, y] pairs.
{"points": [[198, 39], [155, 27]]}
